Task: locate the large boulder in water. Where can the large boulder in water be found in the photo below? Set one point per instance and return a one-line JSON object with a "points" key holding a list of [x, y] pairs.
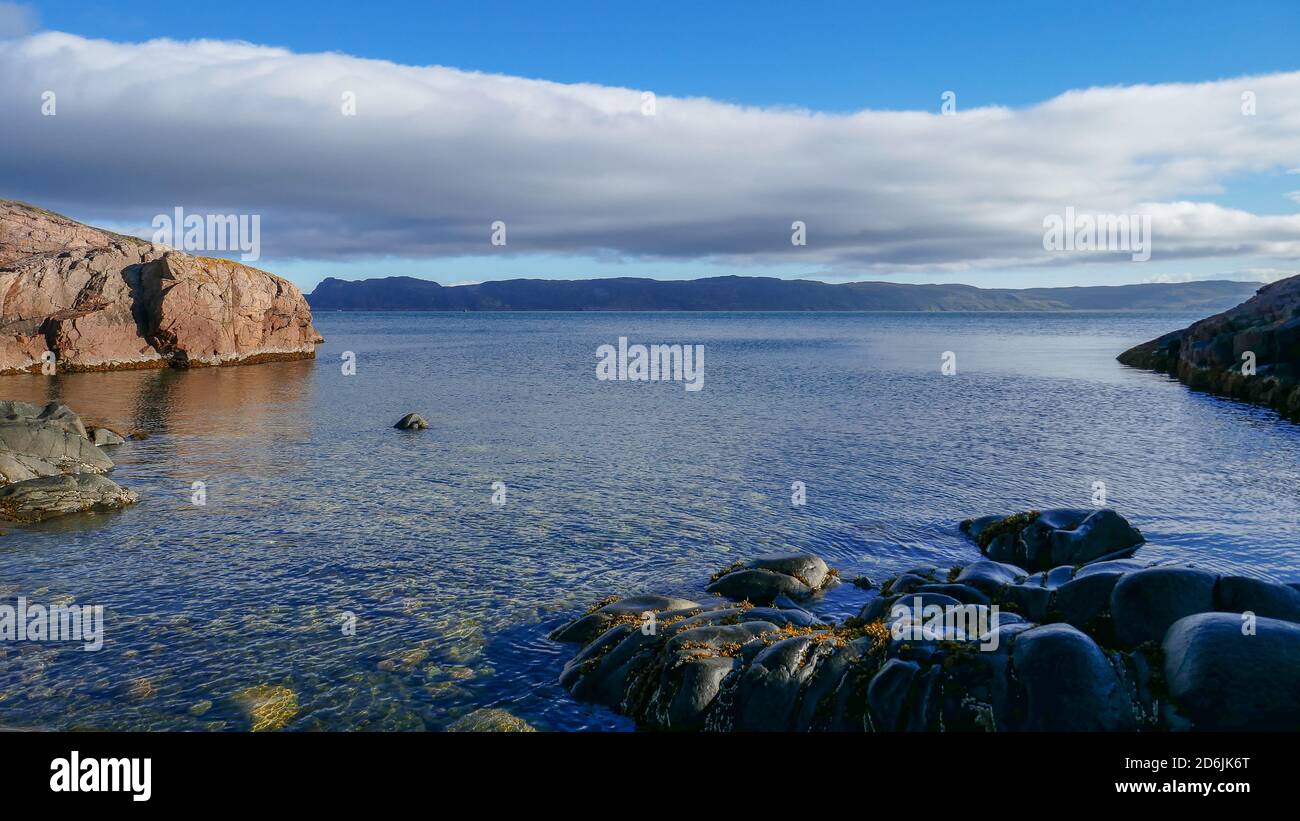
{"points": [[1223, 676], [763, 580], [1144, 603], [45, 497], [1040, 540], [1069, 683]]}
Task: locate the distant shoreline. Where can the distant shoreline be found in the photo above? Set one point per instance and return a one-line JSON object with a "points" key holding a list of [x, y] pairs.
{"points": [[764, 294]]}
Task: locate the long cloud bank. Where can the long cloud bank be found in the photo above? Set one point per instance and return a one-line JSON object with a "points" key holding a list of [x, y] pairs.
{"points": [[433, 156]]}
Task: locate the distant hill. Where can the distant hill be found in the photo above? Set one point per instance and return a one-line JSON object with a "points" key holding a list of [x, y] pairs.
{"points": [[734, 293]]}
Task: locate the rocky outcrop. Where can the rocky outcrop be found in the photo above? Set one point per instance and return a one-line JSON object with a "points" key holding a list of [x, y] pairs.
{"points": [[1038, 540], [1216, 354], [1114, 645], [49, 465], [77, 298]]}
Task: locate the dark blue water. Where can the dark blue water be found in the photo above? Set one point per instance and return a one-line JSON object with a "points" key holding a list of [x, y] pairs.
{"points": [[316, 507]]}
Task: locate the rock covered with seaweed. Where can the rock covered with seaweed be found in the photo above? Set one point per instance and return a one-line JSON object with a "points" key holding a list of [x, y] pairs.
{"points": [[1111, 644]]}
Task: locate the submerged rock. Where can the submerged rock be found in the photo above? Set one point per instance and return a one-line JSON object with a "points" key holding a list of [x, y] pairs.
{"points": [[490, 720], [269, 707]]}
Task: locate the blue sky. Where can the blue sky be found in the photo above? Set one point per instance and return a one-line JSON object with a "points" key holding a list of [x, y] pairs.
{"points": [[828, 57], [839, 56]]}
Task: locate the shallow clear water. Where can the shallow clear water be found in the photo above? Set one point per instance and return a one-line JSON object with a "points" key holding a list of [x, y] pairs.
{"points": [[316, 507]]}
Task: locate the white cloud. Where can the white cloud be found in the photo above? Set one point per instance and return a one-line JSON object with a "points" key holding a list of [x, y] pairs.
{"points": [[17, 20], [435, 155]]}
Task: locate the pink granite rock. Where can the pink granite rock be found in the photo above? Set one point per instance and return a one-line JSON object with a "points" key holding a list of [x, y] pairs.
{"points": [[103, 301]]}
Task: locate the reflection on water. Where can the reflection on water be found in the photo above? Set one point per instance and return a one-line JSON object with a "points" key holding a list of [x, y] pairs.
{"points": [[225, 401], [317, 509]]}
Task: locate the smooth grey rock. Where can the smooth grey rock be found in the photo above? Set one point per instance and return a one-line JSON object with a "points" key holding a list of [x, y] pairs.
{"points": [[774, 616], [1220, 679], [1111, 566], [598, 621], [963, 593], [763, 580], [1145, 602], [989, 576], [103, 437], [1060, 536], [876, 608], [48, 496], [581, 672], [1238, 594], [807, 568], [411, 421], [768, 693], [887, 695], [52, 414], [833, 662], [906, 583], [698, 683], [1102, 534], [1058, 576], [1068, 682], [759, 586], [1032, 600], [912, 605], [53, 445], [1086, 597]]}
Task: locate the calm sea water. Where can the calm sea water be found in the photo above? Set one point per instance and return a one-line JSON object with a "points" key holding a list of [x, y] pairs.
{"points": [[317, 508]]}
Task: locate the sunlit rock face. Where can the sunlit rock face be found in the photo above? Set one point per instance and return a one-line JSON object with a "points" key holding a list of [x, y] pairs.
{"points": [[1251, 352], [73, 298]]}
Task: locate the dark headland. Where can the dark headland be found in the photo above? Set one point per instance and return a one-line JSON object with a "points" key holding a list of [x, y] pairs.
{"points": [[1251, 352]]}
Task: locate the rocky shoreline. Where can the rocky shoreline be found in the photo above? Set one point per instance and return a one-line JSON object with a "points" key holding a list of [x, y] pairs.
{"points": [[1251, 352], [75, 298], [51, 465], [1101, 644]]}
